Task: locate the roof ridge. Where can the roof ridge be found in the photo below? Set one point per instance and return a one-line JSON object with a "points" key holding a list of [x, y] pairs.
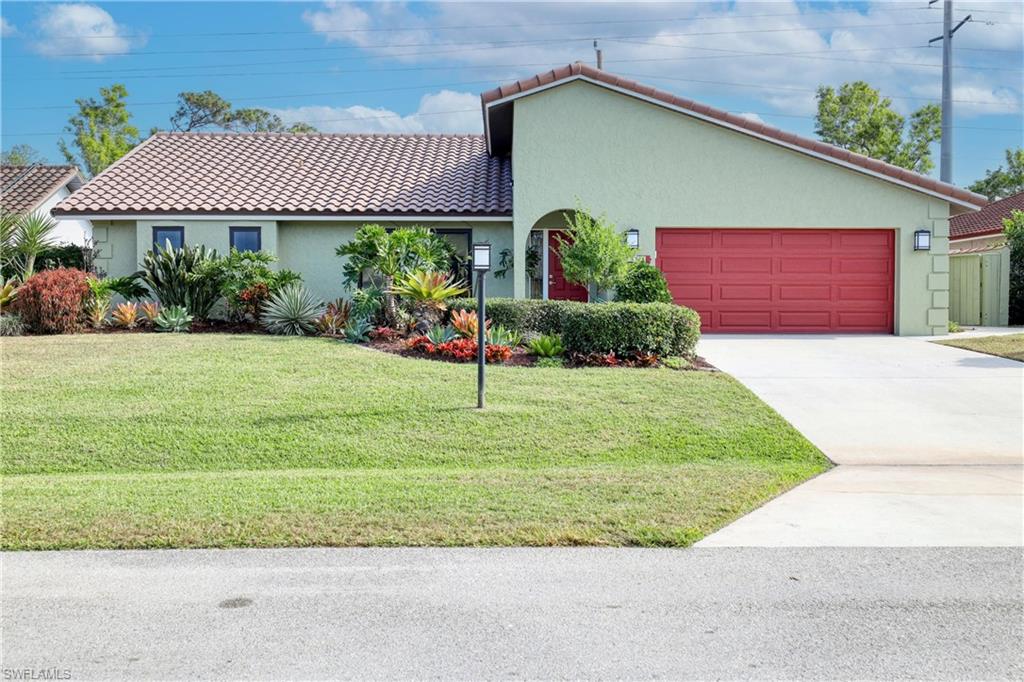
{"points": [[865, 163], [236, 133]]}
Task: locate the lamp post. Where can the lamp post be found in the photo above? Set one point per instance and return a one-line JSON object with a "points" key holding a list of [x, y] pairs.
{"points": [[481, 264]]}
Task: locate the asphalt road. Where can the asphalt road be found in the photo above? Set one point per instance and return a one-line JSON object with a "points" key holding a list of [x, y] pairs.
{"points": [[727, 613]]}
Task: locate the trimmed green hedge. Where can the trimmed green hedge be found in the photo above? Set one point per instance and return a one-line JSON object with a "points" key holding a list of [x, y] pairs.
{"points": [[621, 328]]}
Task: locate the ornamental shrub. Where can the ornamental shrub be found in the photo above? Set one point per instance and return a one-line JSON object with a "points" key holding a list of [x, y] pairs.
{"points": [[53, 301], [627, 329], [643, 283]]}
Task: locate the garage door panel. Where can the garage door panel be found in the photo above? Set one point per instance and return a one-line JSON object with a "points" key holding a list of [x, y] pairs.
{"points": [[782, 280], [745, 264], [745, 292]]}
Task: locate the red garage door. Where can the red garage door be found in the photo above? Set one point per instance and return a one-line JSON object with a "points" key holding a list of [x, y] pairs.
{"points": [[781, 280]]}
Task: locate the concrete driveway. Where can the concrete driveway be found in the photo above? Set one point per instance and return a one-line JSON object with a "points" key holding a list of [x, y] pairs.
{"points": [[929, 439]]}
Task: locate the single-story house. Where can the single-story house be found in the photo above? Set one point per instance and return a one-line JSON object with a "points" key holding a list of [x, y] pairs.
{"points": [[757, 229], [979, 258], [27, 189]]}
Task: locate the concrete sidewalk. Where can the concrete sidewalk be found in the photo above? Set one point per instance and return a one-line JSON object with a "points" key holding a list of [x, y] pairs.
{"points": [[929, 439]]}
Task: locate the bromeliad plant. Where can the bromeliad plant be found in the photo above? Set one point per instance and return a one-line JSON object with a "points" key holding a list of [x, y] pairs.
{"points": [[125, 315], [334, 318], [150, 309], [173, 319], [500, 336], [466, 324], [438, 334], [103, 290], [546, 346], [292, 311], [427, 292]]}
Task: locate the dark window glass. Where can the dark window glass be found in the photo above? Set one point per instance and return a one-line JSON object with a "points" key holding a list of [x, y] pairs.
{"points": [[245, 238], [176, 235]]}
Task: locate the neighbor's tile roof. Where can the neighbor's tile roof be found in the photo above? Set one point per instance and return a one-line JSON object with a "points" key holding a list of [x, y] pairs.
{"points": [[988, 220], [307, 174], [24, 188], [578, 70]]}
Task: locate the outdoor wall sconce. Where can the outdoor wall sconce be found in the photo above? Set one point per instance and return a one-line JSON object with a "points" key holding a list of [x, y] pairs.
{"points": [[922, 240], [633, 238]]}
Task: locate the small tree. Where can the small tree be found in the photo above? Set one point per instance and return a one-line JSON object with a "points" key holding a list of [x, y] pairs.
{"points": [[102, 130], [1001, 183], [391, 255], [595, 255], [1014, 226]]}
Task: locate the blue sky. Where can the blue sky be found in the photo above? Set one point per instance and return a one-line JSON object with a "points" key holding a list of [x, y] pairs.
{"points": [[419, 67]]}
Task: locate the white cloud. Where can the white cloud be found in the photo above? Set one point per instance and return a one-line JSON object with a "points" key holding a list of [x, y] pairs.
{"points": [[751, 116], [881, 43], [441, 112], [81, 29], [6, 28]]}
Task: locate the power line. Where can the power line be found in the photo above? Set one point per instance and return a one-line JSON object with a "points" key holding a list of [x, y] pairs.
{"points": [[318, 48], [391, 29]]}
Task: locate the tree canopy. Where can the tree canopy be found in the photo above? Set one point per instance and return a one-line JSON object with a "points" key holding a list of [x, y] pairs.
{"points": [[205, 110], [858, 118], [1001, 183], [22, 155], [595, 255], [102, 131]]}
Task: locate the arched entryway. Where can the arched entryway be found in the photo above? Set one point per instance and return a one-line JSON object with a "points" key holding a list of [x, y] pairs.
{"points": [[544, 268]]}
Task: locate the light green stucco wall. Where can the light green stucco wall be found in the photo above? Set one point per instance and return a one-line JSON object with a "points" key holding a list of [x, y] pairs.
{"points": [[646, 167], [305, 247]]}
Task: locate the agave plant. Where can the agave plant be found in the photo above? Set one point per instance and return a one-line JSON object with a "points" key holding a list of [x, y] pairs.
{"points": [[292, 311], [357, 330], [438, 334], [125, 315], [173, 319], [500, 336], [546, 346], [183, 277]]}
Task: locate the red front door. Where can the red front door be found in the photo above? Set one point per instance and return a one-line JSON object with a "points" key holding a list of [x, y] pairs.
{"points": [[782, 280], [558, 288]]}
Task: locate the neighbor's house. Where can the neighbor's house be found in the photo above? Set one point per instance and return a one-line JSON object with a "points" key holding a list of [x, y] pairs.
{"points": [[979, 288], [757, 229], [27, 189]]}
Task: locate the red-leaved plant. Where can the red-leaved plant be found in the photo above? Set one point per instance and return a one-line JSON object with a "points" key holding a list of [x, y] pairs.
{"points": [[459, 350], [53, 301]]}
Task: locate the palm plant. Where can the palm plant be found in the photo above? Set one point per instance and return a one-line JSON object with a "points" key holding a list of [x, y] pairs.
{"points": [[183, 277], [31, 235], [390, 255], [8, 231], [292, 311]]}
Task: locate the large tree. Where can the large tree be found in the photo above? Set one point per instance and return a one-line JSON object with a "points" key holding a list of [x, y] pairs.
{"points": [[102, 131], [206, 109], [22, 155], [857, 118], [1001, 183]]}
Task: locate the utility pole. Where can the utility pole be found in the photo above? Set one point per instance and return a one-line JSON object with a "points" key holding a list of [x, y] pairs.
{"points": [[946, 143], [600, 56]]}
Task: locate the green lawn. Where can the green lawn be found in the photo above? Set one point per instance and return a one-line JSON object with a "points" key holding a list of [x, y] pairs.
{"points": [[149, 440], [1006, 346]]}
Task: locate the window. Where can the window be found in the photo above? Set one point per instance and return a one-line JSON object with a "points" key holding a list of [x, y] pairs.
{"points": [[245, 238], [175, 235]]}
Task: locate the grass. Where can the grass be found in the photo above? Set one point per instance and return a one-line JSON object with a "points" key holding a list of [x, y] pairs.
{"points": [[148, 440], [1005, 346]]}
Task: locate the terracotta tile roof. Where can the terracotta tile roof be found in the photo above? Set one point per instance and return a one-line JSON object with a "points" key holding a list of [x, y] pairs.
{"points": [[988, 220], [308, 174], [24, 188], [578, 70]]}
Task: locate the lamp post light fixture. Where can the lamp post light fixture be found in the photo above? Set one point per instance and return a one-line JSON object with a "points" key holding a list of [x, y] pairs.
{"points": [[922, 240], [481, 264], [633, 238]]}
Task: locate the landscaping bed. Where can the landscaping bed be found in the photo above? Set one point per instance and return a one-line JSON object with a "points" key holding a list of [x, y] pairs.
{"points": [[234, 440]]}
